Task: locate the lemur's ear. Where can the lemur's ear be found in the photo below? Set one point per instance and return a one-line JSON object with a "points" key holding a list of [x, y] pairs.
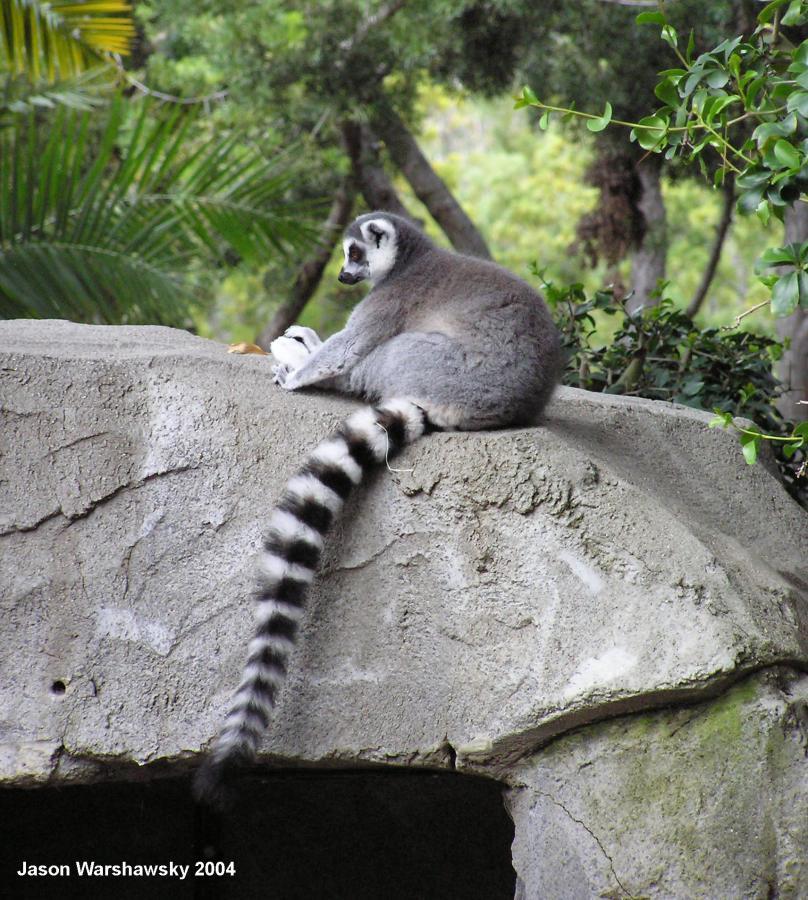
{"points": [[378, 233]]}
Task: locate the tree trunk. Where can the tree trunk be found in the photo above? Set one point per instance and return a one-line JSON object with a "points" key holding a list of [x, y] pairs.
{"points": [[311, 272], [428, 187], [361, 146], [793, 368], [648, 261], [718, 244]]}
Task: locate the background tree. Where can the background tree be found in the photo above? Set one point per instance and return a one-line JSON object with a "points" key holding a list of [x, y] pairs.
{"points": [[744, 105], [346, 80], [101, 217], [601, 55]]}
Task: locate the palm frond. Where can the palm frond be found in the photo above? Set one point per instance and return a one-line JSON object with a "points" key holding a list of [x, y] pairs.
{"points": [[58, 40], [52, 279], [78, 237], [87, 90]]}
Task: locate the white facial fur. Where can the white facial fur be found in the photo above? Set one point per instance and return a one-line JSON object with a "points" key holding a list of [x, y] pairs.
{"points": [[381, 258]]}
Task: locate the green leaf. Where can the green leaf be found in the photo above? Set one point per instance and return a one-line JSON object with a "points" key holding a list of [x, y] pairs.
{"points": [[669, 35], [767, 130], [716, 78], [603, 121], [787, 155], [55, 41], [801, 54], [693, 79], [768, 11], [722, 419], [794, 14], [651, 132], [753, 89], [752, 178], [778, 256], [798, 102], [749, 448], [526, 98], [764, 212], [785, 295], [544, 121], [667, 93], [656, 18], [722, 103]]}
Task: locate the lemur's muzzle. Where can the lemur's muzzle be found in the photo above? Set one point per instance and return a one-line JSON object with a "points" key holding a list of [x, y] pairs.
{"points": [[347, 278]]}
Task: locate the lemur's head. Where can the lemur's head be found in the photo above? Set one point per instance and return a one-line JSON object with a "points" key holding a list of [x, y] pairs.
{"points": [[375, 244]]}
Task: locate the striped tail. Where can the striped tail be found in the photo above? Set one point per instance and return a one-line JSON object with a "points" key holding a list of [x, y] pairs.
{"points": [[290, 557]]}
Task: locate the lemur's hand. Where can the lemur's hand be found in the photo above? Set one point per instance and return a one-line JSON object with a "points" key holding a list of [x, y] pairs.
{"points": [[280, 373], [291, 351]]}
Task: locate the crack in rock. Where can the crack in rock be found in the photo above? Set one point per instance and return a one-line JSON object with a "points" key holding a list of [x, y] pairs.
{"points": [[592, 834], [95, 504]]}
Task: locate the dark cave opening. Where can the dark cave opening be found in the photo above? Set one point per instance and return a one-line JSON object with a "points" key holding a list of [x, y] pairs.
{"points": [[312, 835]]}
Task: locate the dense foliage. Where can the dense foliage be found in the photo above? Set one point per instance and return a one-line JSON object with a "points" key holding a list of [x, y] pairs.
{"points": [[739, 108], [659, 353]]}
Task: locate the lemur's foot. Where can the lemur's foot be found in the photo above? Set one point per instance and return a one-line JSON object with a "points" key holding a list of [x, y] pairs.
{"points": [[289, 351], [244, 347], [280, 374]]}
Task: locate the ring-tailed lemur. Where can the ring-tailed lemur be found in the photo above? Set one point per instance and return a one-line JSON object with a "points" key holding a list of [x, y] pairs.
{"points": [[441, 341]]}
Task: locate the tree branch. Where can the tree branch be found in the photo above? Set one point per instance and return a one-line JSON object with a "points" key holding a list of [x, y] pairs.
{"points": [[368, 24], [718, 243], [427, 185], [371, 180]]}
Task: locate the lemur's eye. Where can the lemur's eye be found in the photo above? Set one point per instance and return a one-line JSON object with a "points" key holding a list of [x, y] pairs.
{"points": [[355, 254]]}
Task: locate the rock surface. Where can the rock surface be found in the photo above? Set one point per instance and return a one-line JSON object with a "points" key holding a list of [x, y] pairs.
{"points": [[494, 591], [703, 801]]}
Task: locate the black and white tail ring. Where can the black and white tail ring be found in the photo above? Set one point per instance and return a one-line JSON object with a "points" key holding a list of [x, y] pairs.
{"points": [[287, 566]]}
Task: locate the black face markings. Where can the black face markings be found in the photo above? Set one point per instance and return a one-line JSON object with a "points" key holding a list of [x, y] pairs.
{"points": [[356, 253], [378, 234]]}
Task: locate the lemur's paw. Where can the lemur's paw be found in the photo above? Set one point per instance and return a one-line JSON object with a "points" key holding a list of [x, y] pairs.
{"points": [[243, 347], [306, 336], [289, 352], [281, 374]]}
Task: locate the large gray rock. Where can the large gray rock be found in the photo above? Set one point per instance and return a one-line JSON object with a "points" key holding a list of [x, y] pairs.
{"points": [[494, 591], [704, 801]]}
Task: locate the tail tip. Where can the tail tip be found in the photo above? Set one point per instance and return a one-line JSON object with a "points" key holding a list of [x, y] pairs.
{"points": [[211, 785]]}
